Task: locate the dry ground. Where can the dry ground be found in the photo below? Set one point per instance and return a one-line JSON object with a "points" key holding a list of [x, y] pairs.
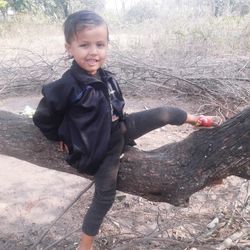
{"points": [[135, 223]]}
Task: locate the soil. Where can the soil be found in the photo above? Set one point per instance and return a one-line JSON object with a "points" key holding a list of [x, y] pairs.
{"points": [[133, 222]]}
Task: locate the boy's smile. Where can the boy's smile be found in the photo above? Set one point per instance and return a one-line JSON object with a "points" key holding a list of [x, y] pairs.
{"points": [[89, 48]]}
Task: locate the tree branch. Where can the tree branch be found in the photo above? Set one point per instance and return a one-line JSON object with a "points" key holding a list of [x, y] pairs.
{"points": [[171, 173]]}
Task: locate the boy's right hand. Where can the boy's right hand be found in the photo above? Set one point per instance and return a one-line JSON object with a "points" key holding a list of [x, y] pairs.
{"points": [[63, 147]]}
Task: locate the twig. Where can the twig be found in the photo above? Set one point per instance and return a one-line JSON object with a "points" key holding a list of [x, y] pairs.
{"points": [[60, 216], [233, 239], [61, 239], [2, 89], [146, 239], [220, 78], [241, 69]]}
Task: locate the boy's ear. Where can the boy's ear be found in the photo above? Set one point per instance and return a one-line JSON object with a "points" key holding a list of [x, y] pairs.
{"points": [[67, 47]]}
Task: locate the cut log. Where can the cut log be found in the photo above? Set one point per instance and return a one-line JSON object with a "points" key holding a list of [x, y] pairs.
{"points": [[171, 173]]}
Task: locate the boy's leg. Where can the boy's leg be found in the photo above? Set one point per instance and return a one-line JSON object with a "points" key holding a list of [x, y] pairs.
{"points": [[105, 190], [140, 123]]}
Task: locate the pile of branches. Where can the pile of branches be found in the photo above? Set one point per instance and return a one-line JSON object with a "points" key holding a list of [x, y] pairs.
{"points": [[24, 71], [224, 92]]}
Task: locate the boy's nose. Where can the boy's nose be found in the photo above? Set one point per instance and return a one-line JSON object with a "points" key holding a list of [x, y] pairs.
{"points": [[93, 50]]}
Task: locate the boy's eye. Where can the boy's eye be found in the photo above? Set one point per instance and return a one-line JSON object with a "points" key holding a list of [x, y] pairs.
{"points": [[100, 45], [84, 45]]}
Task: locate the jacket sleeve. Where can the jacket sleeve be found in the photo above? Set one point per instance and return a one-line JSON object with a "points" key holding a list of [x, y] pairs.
{"points": [[51, 109]]}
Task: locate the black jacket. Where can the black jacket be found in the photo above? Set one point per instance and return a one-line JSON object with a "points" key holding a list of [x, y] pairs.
{"points": [[76, 109]]}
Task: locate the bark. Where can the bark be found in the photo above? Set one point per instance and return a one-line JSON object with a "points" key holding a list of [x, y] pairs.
{"points": [[171, 173]]}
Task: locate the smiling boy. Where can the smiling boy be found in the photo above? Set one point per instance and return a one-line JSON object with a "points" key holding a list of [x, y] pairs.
{"points": [[84, 110]]}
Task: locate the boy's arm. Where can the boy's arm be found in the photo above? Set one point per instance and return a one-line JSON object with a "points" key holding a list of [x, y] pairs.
{"points": [[47, 121], [51, 109]]}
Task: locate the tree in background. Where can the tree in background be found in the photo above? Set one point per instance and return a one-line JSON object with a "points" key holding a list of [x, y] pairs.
{"points": [[141, 11], [131, 10], [3, 7], [53, 8], [242, 7], [15, 5], [95, 5], [218, 6], [20, 5], [3, 4]]}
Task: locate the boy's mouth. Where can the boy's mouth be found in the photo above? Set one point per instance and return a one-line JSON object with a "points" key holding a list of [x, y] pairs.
{"points": [[92, 62]]}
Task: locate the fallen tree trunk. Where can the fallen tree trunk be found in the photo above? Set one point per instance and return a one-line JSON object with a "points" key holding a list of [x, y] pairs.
{"points": [[171, 173]]}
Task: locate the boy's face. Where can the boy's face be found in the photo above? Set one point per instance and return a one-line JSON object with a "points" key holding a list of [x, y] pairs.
{"points": [[89, 48]]}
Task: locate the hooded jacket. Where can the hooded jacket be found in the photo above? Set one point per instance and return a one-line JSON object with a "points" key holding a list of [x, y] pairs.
{"points": [[76, 109]]}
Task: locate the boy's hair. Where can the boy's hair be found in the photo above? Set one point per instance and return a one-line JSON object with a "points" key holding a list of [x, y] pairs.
{"points": [[79, 21]]}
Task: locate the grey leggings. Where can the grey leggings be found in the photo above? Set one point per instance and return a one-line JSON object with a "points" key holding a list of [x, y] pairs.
{"points": [[137, 124]]}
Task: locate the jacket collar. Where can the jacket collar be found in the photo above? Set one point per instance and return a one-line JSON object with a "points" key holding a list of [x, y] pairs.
{"points": [[83, 77]]}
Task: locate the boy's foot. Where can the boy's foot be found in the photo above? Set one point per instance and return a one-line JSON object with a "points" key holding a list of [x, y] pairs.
{"points": [[208, 121]]}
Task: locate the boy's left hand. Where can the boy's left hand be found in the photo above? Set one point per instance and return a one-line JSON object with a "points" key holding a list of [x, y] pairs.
{"points": [[63, 147]]}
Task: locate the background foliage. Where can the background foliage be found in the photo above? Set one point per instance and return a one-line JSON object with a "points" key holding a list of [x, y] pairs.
{"points": [[134, 10]]}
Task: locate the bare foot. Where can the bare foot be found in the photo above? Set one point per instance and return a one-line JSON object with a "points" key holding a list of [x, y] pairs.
{"points": [[86, 242]]}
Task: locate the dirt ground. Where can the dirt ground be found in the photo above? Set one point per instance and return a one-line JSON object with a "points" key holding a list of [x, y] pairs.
{"points": [[214, 213]]}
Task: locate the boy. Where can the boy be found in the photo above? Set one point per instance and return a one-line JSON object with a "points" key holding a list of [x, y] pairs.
{"points": [[84, 110]]}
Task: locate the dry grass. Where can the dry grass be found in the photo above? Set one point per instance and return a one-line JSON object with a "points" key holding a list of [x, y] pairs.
{"points": [[37, 35], [179, 34], [185, 36]]}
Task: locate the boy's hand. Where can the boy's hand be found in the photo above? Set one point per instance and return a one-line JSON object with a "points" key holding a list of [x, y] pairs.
{"points": [[63, 147]]}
